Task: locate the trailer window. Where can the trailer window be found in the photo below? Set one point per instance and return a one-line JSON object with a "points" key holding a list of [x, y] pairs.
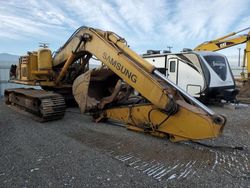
{"points": [[172, 66], [218, 64], [162, 70]]}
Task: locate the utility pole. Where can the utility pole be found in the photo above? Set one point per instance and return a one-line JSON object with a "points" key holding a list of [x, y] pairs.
{"points": [[169, 48], [239, 57], [43, 44]]}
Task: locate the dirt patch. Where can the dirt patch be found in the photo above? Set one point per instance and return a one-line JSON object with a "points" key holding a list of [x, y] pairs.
{"points": [[244, 91]]}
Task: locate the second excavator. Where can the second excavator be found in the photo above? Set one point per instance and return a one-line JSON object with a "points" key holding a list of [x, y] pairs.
{"points": [[227, 41], [126, 88]]}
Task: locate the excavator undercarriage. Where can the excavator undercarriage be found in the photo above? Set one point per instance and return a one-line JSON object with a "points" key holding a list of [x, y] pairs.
{"points": [[126, 88], [46, 106]]}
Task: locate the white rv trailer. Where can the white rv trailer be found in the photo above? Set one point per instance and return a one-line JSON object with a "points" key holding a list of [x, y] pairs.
{"points": [[204, 75]]}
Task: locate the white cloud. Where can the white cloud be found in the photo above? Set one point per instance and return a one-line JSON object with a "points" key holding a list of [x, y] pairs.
{"points": [[30, 19], [143, 16], [204, 20], [16, 25], [94, 13], [145, 24]]}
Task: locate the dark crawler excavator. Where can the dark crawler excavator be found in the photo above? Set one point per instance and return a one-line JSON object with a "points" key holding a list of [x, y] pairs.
{"points": [[126, 88]]}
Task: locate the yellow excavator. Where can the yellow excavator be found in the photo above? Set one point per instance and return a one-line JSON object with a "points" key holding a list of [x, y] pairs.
{"points": [[232, 39], [126, 88]]}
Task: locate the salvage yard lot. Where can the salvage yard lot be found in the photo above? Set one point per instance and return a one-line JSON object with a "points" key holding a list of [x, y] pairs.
{"points": [[75, 152]]}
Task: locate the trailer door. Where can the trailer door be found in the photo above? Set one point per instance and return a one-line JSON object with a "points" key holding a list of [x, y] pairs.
{"points": [[172, 67]]}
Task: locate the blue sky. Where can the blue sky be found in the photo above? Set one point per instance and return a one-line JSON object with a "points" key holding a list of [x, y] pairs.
{"points": [[145, 24]]}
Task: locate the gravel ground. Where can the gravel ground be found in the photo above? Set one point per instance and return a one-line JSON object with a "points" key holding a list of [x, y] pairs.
{"points": [[75, 152]]}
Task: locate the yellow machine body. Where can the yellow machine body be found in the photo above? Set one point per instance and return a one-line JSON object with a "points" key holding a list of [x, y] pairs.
{"points": [[35, 68], [44, 59], [246, 58], [159, 109]]}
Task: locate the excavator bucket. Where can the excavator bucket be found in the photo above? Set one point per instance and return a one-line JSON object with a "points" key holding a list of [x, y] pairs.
{"points": [[93, 89]]}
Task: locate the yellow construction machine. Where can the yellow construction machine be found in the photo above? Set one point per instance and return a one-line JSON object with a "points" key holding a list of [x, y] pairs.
{"points": [[232, 39], [126, 88]]}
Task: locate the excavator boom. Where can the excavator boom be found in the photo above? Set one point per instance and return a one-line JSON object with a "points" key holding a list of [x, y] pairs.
{"points": [[113, 52], [224, 42]]}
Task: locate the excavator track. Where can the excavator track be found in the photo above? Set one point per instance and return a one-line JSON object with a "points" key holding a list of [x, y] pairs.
{"points": [[43, 105]]}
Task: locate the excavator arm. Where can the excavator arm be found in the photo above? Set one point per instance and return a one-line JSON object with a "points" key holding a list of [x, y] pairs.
{"points": [[222, 43], [232, 39], [164, 109]]}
